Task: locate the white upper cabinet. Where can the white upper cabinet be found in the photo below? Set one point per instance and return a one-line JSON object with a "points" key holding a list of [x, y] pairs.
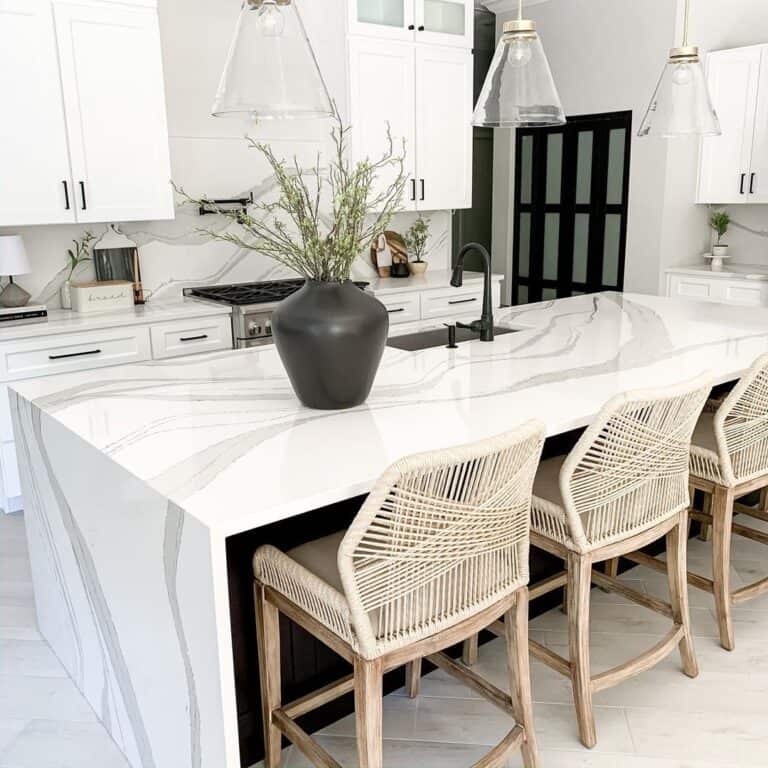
{"points": [[35, 179], [734, 167], [443, 127], [83, 136], [381, 78], [441, 22], [112, 78]]}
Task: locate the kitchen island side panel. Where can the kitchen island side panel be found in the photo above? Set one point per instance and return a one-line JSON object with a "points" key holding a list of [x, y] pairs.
{"points": [[125, 594]]}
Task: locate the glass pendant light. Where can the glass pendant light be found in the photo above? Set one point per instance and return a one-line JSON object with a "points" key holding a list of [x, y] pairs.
{"points": [[681, 105], [271, 70], [519, 90]]}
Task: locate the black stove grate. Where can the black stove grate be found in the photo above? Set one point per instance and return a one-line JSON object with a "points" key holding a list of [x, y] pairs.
{"points": [[241, 294]]}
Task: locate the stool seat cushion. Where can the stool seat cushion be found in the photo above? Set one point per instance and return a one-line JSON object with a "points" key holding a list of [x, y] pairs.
{"points": [[705, 457], [320, 557]]}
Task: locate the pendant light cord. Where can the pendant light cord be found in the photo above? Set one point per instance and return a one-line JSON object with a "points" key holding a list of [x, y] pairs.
{"points": [[685, 21], [520, 10]]}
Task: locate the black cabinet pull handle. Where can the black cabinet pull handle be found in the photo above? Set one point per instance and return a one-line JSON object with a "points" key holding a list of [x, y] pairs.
{"points": [[421, 28], [82, 195], [411, 27], [752, 183], [66, 194], [391, 311], [75, 354], [462, 301], [413, 189], [422, 189], [741, 183], [194, 338]]}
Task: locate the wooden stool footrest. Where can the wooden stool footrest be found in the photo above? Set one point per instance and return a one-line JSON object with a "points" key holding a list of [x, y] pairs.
{"points": [[472, 680], [750, 533], [550, 658], [743, 509], [298, 736], [497, 757], [545, 586], [614, 585], [641, 558], [751, 590], [318, 698], [640, 663]]}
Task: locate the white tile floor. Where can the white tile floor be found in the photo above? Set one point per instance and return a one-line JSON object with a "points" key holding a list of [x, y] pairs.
{"points": [[659, 720]]}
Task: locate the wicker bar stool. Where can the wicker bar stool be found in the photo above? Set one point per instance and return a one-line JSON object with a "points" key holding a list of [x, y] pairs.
{"points": [[438, 550], [624, 485], [729, 459]]}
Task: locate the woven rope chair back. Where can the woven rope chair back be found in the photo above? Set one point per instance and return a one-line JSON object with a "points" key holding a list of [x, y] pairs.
{"points": [[442, 536], [741, 426], [629, 470]]}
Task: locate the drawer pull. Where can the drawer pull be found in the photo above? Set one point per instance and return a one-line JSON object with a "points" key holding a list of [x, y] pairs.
{"points": [[82, 195], [741, 183], [400, 309], [75, 354], [66, 195], [463, 301], [194, 338]]}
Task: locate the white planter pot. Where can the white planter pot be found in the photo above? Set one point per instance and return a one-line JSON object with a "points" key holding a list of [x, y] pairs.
{"points": [[719, 253], [66, 294]]}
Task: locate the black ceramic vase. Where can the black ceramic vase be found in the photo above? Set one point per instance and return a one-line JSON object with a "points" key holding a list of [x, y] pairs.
{"points": [[330, 337]]}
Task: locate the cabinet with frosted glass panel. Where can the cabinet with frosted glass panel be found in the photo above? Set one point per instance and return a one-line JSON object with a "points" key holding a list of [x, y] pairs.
{"points": [[440, 22]]}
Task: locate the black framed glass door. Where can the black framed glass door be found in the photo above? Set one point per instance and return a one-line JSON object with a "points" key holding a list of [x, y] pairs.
{"points": [[571, 200]]}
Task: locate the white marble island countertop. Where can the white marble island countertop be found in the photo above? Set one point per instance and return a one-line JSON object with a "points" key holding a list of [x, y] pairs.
{"points": [[135, 478], [210, 431]]}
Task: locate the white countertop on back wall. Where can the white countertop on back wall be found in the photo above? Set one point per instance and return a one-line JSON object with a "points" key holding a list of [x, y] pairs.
{"points": [[430, 280], [741, 271], [67, 321]]}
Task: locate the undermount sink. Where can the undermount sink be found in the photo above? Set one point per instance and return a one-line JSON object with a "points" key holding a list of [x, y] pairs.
{"points": [[438, 338]]}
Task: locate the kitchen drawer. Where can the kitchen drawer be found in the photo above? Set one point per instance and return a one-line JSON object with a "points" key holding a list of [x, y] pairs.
{"points": [[402, 307], [188, 337], [74, 352], [748, 292], [452, 302], [693, 287]]}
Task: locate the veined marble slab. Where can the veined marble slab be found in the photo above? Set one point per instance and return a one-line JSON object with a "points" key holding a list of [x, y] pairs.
{"points": [[133, 477]]}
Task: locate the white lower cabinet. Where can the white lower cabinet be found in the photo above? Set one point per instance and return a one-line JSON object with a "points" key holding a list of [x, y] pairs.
{"points": [[90, 350], [726, 288]]}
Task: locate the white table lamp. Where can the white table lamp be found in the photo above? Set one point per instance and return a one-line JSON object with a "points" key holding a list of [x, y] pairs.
{"points": [[13, 261]]}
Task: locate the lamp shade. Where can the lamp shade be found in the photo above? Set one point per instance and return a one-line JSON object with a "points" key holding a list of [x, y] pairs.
{"points": [[681, 105], [13, 256], [271, 71], [519, 90]]}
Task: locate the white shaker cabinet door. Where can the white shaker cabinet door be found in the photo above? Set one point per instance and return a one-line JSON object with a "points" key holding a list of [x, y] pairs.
{"points": [[445, 22], [382, 94], [758, 178], [443, 127], [387, 19], [35, 182], [724, 172], [114, 96]]}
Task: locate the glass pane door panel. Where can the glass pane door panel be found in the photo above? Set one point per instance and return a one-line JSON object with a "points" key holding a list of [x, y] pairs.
{"points": [[611, 249], [445, 16], [584, 168], [389, 13], [524, 244], [616, 166], [547, 294], [551, 245], [554, 167], [522, 294], [526, 170], [580, 247]]}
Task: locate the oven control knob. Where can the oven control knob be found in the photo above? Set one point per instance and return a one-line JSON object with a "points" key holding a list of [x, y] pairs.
{"points": [[254, 329], [268, 328]]}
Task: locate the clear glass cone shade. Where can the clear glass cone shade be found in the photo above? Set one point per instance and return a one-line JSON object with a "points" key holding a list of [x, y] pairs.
{"points": [[681, 105], [519, 89], [271, 71]]}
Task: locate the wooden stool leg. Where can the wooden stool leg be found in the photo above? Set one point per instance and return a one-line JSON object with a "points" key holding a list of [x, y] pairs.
{"points": [[413, 678], [268, 641], [611, 569], [706, 528], [579, 583], [469, 650], [516, 631], [677, 546], [369, 676], [722, 518]]}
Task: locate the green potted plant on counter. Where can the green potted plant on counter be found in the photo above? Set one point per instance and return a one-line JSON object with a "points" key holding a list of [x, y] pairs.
{"points": [[330, 334], [80, 254], [416, 241], [719, 221]]}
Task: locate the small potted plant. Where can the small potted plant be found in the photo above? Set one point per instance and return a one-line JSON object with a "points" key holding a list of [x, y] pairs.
{"points": [[719, 221], [416, 242], [76, 256]]}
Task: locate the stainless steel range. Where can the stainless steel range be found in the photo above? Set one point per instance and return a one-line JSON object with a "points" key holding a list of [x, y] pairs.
{"points": [[252, 306]]}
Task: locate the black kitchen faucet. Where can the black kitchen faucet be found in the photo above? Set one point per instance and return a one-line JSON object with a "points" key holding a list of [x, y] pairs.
{"points": [[483, 326]]}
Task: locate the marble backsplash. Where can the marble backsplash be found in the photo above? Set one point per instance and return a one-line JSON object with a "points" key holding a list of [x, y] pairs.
{"points": [[747, 237], [175, 254]]}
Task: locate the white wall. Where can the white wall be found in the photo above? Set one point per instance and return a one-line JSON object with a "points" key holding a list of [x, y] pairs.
{"points": [[209, 156], [607, 55]]}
